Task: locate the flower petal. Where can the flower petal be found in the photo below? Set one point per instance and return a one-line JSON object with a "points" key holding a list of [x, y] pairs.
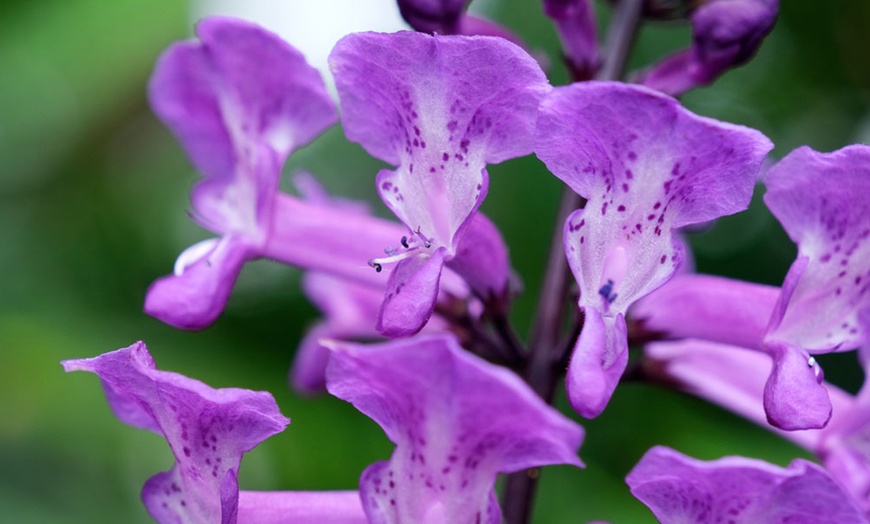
{"points": [[456, 421], [646, 166], [597, 363], [709, 308], [681, 489], [575, 22], [196, 296], [207, 429], [411, 294], [794, 397], [440, 108], [301, 507], [482, 259], [239, 101], [820, 199]]}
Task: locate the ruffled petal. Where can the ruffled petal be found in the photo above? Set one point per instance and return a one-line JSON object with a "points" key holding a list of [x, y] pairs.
{"points": [[681, 489], [411, 294], [196, 294], [207, 429], [440, 108], [597, 363], [456, 421], [300, 507], [820, 199]]}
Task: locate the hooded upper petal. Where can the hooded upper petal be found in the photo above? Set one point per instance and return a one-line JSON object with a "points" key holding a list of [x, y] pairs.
{"points": [[207, 429], [679, 489], [725, 34], [646, 166], [821, 201], [457, 421]]}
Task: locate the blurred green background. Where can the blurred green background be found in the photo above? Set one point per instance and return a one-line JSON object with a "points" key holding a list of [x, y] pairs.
{"points": [[93, 193]]}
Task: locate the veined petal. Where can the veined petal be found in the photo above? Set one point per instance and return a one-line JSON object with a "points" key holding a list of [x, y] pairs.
{"points": [[646, 166], [710, 308], [194, 296], [456, 421], [679, 489], [240, 101], [207, 429], [300, 507], [440, 108], [411, 294], [820, 199], [597, 363]]}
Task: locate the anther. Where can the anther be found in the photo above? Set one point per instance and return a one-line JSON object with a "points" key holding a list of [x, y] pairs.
{"points": [[405, 242], [606, 291], [375, 265], [811, 361]]}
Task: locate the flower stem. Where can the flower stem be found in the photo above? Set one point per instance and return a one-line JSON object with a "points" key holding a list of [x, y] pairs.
{"points": [[543, 370]]}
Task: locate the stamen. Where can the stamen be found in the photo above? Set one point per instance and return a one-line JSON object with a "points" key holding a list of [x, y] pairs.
{"points": [[375, 265], [606, 291], [405, 242], [427, 242]]}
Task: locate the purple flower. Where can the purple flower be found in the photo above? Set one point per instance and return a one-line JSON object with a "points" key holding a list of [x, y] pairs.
{"points": [[440, 108], [818, 199], [646, 166], [725, 34], [681, 489], [575, 23], [207, 429], [457, 421], [240, 101]]}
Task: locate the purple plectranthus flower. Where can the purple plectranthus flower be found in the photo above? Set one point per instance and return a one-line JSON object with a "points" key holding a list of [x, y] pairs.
{"points": [[440, 108], [739, 490], [575, 23], [725, 34], [818, 198], [457, 421], [646, 166], [240, 101], [207, 429], [735, 378]]}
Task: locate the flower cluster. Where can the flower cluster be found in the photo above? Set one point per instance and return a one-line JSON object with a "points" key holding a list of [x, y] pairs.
{"points": [[461, 396]]}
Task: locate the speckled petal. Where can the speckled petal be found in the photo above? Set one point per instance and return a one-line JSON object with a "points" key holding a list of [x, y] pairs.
{"points": [[456, 421], [440, 108], [681, 489], [822, 201], [300, 507], [196, 294], [646, 167], [411, 294], [725, 34], [207, 429]]}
